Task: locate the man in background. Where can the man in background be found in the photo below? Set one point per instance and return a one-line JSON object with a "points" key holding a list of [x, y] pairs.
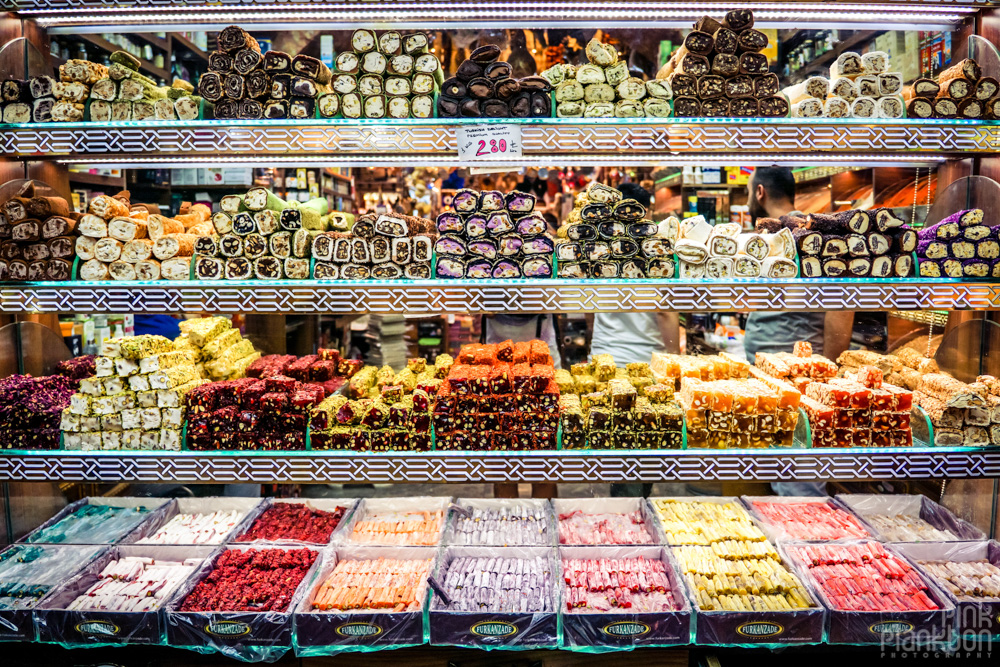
{"points": [[772, 195], [632, 338]]}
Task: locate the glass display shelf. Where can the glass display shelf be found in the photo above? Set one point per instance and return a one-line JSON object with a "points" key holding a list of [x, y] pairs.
{"points": [[514, 296], [759, 465], [76, 16], [434, 141]]}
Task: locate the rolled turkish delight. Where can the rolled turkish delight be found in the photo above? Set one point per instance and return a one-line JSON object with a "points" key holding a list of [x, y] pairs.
{"points": [[238, 268], [745, 266], [209, 268], [890, 107], [450, 267]]}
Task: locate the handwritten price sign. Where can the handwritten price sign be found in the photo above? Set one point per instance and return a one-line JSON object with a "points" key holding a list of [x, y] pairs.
{"points": [[488, 143]]}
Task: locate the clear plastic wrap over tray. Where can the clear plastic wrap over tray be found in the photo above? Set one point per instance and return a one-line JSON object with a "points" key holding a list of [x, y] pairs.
{"points": [[596, 632], [750, 628], [778, 533], [249, 507], [567, 506], [155, 506], [57, 624], [55, 564], [332, 632], [863, 505], [368, 508], [980, 618], [495, 630], [548, 538], [243, 635], [324, 504], [861, 627]]}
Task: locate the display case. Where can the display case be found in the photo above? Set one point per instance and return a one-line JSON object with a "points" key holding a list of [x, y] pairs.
{"points": [[291, 244]]}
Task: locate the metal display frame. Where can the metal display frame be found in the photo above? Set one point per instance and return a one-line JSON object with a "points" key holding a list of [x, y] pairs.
{"points": [[514, 296], [416, 141], [582, 466]]}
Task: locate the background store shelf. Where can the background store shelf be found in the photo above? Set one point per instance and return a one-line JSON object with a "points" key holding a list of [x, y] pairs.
{"points": [[512, 296], [153, 15], [485, 467], [636, 141]]}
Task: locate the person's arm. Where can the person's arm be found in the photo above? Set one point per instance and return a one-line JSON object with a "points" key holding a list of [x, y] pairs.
{"points": [[669, 325], [837, 328]]}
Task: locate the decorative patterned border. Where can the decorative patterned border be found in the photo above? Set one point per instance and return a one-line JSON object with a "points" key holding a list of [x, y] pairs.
{"points": [[341, 467], [422, 139], [515, 296]]}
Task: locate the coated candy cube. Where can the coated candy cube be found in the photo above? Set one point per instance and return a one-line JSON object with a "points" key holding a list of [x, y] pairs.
{"points": [[420, 442], [904, 397], [348, 367], [870, 377], [274, 402], [623, 419], [361, 441], [500, 379], [659, 393], [883, 400], [821, 417], [597, 398], [722, 400], [293, 441], [248, 421], [420, 422], [669, 417], [323, 370], [645, 415], [788, 420], [400, 415], [767, 423], [901, 438], [828, 394], [720, 421], [881, 439], [862, 437], [881, 421], [718, 439], [599, 440], [622, 394], [744, 400], [468, 403], [392, 393], [697, 438], [695, 394], [696, 419], [744, 423], [843, 437], [574, 439], [543, 423], [861, 396], [599, 419], [803, 348], [281, 383], [843, 418]]}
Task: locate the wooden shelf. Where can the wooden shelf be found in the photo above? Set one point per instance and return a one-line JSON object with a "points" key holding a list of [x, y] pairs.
{"points": [[821, 64], [97, 180], [145, 65], [153, 40], [188, 46]]}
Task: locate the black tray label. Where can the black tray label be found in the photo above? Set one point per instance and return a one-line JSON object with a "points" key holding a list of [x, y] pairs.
{"points": [[359, 630], [625, 629], [228, 629], [760, 629], [494, 629], [98, 628]]}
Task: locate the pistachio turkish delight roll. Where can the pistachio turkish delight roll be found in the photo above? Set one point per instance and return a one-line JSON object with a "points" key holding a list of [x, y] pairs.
{"points": [[599, 110], [970, 108], [267, 268], [629, 109], [230, 245], [745, 266], [952, 268], [719, 267], [986, 88], [351, 105], [62, 111], [417, 271], [422, 106], [147, 269], [280, 244], [773, 107]]}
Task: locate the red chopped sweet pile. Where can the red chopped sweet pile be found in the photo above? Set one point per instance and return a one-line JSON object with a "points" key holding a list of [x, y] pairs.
{"points": [[499, 397], [294, 521], [256, 580], [865, 577]]}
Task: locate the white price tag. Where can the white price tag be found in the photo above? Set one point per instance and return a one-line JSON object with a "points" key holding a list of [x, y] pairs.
{"points": [[489, 143]]}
